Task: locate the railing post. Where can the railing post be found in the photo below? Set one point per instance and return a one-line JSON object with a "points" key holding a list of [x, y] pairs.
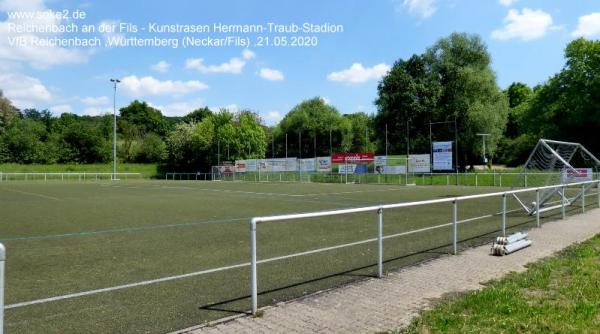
{"points": [[562, 201], [537, 207], [454, 227], [476, 180], [598, 192], [253, 269], [2, 260], [583, 197], [380, 242], [504, 214], [500, 180]]}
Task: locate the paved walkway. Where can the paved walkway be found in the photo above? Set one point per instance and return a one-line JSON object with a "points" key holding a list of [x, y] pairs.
{"points": [[382, 304]]}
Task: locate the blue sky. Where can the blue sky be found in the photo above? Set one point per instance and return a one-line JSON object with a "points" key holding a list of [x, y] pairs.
{"points": [[525, 38]]}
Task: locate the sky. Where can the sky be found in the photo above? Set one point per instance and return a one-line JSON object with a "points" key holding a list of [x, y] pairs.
{"points": [[273, 67]]}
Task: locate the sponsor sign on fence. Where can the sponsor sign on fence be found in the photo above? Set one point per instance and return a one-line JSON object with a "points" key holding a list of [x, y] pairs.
{"points": [[442, 155], [420, 163], [577, 175], [340, 158], [324, 164]]}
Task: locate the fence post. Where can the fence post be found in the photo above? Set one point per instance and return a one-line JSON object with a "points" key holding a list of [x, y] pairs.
{"points": [[500, 180], [454, 227], [2, 260], [380, 242], [537, 206], [447, 180], [562, 201], [476, 181], [253, 275], [504, 214], [583, 198]]}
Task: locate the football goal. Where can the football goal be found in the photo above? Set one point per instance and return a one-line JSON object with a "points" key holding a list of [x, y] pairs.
{"points": [[555, 162]]}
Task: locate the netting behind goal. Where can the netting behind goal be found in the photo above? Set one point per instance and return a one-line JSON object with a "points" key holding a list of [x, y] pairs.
{"points": [[555, 162]]}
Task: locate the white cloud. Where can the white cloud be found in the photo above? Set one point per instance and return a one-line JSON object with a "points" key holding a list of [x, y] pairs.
{"points": [[507, 3], [270, 74], [61, 108], [247, 54], [161, 67], [24, 91], [420, 8], [148, 85], [526, 25], [589, 25], [273, 117], [234, 66], [180, 108], [326, 100], [357, 73], [35, 55], [95, 101], [97, 111]]}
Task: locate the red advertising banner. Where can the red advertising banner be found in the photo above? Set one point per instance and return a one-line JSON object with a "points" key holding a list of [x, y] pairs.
{"points": [[340, 158]]}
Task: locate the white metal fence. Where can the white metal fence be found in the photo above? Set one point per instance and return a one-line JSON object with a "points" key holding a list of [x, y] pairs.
{"points": [[254, 222], [480, 179], [66, 176]]}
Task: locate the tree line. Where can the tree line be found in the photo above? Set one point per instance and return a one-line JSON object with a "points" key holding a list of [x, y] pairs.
{"points": [[451, 85]]}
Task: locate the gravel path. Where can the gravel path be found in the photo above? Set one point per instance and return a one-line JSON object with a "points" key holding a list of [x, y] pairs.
{"points": [[382, 304]]}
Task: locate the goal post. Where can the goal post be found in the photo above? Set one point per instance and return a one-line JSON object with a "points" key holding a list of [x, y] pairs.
{"points": [[554, 162]]}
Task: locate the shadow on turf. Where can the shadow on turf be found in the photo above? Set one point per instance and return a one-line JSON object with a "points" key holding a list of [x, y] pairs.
{"points": [[434, 252]]}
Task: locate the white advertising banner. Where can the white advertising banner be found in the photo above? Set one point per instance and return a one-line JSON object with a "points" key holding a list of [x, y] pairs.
{"points": [[390, 170], [324, 164], [307, 165], [442, 155], [420, 163], [577, 175]]}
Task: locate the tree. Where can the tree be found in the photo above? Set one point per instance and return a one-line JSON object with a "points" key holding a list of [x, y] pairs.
{"points": [[452, 80], [8, 113], [312, 118], [407, 95], [83, 143], [27, 142], [145, 118], [567, 107], [197, 115], [152, 149], [469, 93]]}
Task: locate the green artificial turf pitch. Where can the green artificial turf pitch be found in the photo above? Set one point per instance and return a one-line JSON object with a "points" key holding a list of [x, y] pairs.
{"points": [[64, 238]]}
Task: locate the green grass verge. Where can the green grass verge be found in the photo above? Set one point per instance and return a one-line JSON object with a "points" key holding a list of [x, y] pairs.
{"points": [[147, 170], [560, 294]]}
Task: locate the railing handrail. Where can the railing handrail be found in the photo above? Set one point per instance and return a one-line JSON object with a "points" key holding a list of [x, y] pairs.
{"points": [[315, 214]]}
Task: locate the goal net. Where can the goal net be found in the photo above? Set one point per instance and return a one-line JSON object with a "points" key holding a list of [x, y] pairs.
{"points": [[555, 162]]}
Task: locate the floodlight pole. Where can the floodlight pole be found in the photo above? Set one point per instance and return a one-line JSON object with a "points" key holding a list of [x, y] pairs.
{"points": [[386, 141], [286, 145], [115, 82], [330, 146], [483, 135]]}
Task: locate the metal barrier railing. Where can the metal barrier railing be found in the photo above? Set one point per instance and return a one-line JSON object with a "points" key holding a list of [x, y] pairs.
{"points": [[380, 237], [64, 176], [2, 260]]}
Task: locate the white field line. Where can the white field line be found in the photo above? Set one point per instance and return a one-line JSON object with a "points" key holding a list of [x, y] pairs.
{"points": [[241, 265], [34, 194]]}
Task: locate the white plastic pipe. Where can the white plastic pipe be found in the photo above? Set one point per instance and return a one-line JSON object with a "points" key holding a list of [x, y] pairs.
{"points": [[510, 248]]}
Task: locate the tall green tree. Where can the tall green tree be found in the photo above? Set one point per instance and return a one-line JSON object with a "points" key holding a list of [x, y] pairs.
{"points": [[8, 113], [310, 119], [567, 107], [451, 81]]}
